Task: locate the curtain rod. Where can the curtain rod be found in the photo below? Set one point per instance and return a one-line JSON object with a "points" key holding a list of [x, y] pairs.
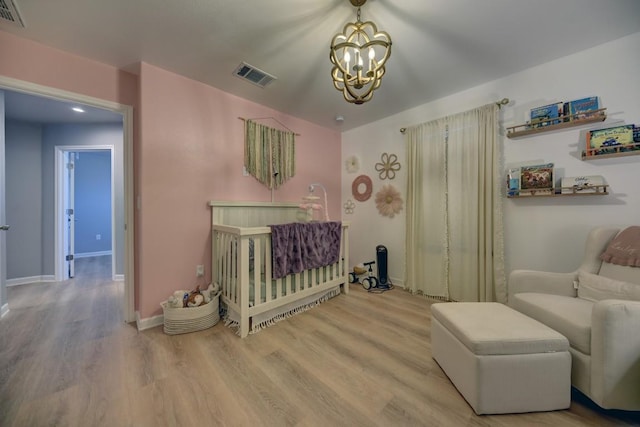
{"points": [[271, 118], [503, 101]]}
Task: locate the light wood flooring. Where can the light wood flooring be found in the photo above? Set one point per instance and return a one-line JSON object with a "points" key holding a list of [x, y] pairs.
{"points": [[67, 359]]}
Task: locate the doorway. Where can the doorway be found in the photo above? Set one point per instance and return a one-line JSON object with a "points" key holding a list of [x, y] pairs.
{"points": [[127, 178], [85, 214]]}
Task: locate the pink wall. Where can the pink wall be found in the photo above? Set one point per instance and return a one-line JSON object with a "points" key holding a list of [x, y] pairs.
{"points": [[192, 146], [188, 149], [29, 61]]}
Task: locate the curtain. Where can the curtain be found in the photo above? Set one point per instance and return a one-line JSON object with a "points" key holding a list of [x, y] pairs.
{"points": [[454, 241], [269, 154]]}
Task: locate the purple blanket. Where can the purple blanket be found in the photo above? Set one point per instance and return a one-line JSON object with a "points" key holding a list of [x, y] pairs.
{"points": [[300, 246]]}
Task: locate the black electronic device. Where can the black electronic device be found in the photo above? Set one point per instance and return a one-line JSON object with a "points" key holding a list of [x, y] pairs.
{"points": [[381, 258]]}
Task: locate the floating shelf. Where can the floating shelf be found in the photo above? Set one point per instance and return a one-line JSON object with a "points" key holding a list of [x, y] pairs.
{"points": [[600, 190], [565, 122], [629, 150]]}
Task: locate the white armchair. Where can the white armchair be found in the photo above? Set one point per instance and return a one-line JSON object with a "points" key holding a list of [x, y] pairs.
{"points": [[597, 307]]}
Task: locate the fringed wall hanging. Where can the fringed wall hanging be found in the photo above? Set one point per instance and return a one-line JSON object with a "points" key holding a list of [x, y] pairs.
{"points": [[269, 153]]}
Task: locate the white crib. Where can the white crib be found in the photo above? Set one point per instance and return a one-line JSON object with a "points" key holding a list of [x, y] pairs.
{"points": [[242, 266]]}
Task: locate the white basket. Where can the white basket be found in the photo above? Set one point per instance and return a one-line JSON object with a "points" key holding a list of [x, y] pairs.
{"points": [[190, 319]]}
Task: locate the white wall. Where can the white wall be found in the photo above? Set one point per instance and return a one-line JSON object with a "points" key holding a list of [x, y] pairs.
{"points": [[540, 233]]}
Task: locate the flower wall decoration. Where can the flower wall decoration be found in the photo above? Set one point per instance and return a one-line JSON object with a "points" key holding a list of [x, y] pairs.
{"points": [[388, 167], [361, 188], [352, 164], [388, 201], [349, 207]]}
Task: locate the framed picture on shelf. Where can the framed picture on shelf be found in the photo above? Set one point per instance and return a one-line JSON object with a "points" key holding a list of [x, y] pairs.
{"points": [[537, 179]]}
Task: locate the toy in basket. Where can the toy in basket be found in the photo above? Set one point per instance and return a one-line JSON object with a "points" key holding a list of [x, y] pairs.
{"points": [[186, 312]]}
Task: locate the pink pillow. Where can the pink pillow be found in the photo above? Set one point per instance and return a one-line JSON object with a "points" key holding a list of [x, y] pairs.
{"points": [[624, 249]]}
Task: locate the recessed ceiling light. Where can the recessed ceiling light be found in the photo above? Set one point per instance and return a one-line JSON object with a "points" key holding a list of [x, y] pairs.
{"points": [[78, 110]]}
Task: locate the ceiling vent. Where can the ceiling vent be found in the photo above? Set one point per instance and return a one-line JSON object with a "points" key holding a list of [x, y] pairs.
{"points": [[252, 74], [9, 13]]}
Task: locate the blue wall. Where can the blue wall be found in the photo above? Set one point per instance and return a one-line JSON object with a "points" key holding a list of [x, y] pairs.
{"points": [[92, 202], [23, 169], [31, 197]]}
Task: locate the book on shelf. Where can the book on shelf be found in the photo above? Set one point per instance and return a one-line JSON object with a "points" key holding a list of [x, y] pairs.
{"points": [[536, 179], [545, 115], [610, 140], [582, 184], [582, 108], [513, 181]]}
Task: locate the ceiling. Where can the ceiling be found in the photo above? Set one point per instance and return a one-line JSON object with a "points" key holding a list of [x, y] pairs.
{"points": [[38, 109], [440, 47]]}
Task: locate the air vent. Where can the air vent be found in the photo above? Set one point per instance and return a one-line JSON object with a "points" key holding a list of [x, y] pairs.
{"points": [[9, 13], [252, 74]]}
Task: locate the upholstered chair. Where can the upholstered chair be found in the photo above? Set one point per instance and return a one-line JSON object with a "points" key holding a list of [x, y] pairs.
{"points": [[597, 307]]}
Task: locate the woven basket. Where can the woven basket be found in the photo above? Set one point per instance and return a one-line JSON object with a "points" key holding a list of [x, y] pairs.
{"points": [[190, 319]]}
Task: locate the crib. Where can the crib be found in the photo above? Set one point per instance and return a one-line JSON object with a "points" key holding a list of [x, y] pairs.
{"points": [[241, 264]]}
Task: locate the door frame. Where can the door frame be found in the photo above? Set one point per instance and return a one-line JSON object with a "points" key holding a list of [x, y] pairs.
{"points": [[9, 83], [60, 217]]}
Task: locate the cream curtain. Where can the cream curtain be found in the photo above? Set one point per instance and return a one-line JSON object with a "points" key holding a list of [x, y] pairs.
{"points": [[269, 154], [454, 241]]}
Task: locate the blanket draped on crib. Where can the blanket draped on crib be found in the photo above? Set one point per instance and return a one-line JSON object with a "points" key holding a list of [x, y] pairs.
{"points": [[299, 246]]}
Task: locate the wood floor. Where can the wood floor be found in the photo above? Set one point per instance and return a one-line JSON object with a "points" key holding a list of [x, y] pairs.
{"points": [[67, 359]]}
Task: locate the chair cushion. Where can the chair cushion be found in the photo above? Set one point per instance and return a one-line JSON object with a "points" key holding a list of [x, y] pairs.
{"points": [[597, 288], [567, 315]]}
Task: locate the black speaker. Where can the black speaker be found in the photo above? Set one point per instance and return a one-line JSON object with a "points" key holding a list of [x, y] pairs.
{"points": [[381, 259]]}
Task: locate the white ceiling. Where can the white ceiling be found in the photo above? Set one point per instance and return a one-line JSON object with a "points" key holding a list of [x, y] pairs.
{"points": [[440, 47], [38, 109]]}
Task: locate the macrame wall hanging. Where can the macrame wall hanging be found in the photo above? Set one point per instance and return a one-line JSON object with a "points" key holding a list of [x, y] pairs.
{"points": [[269, 153]]}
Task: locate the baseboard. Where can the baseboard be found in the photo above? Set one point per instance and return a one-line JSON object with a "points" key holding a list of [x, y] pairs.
{"points": [[4, 310], [33, 279], [149, 322], [397, 282], [118, 278], [90, 254]]}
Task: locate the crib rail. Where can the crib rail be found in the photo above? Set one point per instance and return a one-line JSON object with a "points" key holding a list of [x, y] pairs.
{"points": [[242, 266]]}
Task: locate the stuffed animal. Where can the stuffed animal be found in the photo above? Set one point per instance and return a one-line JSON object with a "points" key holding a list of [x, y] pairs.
{"points": [[177, 300], [195, 298], [207, 293]]}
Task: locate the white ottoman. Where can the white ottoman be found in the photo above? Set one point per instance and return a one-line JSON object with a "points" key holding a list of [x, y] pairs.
{"points": [[500, 360]]}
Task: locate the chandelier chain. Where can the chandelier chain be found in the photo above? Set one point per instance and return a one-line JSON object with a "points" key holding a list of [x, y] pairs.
{"points": [[358, 15]]}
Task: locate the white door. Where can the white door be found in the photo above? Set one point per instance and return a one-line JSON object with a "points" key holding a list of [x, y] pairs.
{"points": [[69, 212], [3, 225]]}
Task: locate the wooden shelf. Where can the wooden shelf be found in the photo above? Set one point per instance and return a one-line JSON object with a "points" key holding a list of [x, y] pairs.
{"points": [[570, 121], [617, 153], [600, 190]]}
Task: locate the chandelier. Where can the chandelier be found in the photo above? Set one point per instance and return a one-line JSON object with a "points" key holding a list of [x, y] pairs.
{"points": [[359, 55]]}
